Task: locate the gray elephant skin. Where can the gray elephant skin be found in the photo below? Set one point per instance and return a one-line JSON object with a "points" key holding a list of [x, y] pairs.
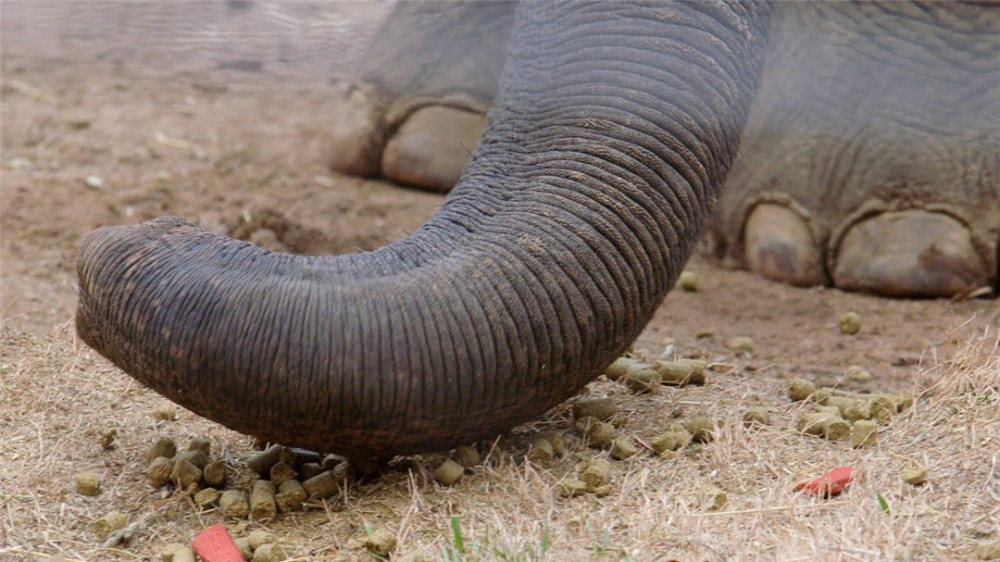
{"points": [[612, 132]]}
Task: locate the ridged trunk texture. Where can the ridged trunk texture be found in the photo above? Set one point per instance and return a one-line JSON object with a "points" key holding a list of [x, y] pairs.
{"points": [[614, 127]]}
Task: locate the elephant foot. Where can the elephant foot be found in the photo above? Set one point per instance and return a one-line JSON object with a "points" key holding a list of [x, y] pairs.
{"points": [[420, 142], [911, 253], [902, 253]]}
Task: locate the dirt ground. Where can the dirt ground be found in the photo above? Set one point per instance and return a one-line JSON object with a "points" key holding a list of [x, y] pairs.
{"points": [[84, 148]]}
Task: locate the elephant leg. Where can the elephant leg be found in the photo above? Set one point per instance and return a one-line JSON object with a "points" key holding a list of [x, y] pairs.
{"points": [[418, 109], [871, 158]]}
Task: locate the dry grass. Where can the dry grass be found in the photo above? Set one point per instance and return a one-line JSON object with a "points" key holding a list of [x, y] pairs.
{"points": [[57, 396]]}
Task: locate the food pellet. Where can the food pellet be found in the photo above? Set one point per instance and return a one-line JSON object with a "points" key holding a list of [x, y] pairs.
{"points": [[184, 474], [207, 497], [682, 372], [321, 486], [466, 455], [688, 281], [216, 474], [756, 416], [196, 457], [712, 497], [162, 448], [449, 472], [598, 434], [601, 408], [904, 399], [310, 469], [558, 443], [259, 538], [108, 524], [541, 452], [623, 366], [850, 323], [701, 428], [643, 381], [597, 473], [571, 487], [915, 476], [88, 484], [234, 504], [243, 543], [741, 344], [381, 542], [201, 444], [159, 471], [857, 373], [883, 408], [290, 497], [269, 552], [183, 554], [800, 389], [622, 448], [262, 462], [864, 434], [676, 437], [281, 472]]}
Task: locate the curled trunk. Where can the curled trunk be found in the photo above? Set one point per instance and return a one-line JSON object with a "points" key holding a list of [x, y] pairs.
{"points": [[612, 131]]}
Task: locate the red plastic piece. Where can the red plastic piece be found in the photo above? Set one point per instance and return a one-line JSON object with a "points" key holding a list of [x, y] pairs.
{"points": [[215, 545], [832, 483]]}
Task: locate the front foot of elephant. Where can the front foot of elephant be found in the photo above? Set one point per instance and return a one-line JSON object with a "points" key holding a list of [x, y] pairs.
{"points": [[904, 253], [421, 142]]}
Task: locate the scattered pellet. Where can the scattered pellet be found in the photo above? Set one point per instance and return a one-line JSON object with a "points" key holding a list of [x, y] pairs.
{"points": [[310, 469], [623, 366], [623, 448], [262, 462], [601, 408], [825, 424], [88, 484], [597, 433], [988, 551], [165, 412], [269, 552], [216, 474], [904, 400], [541, 452], [184, 474], [850, 323], [290, 497], [243, 543], [167, 555], [682, 372], [558, 443], [182, 553], [857, 409], [915, 476], [162, 448], [643, 381], [571, 487], [701, 428], [466, 455], [108, 524], [381, 541], [344, 472], [196, 457], [712, 497], [676, 437], [883, 407], [234, 504], [321, 486], [756, 416], [330, 461], [688, 281], [159, 471], [741, 344], [800, 389], [722, 368], [864, 434], [207, 497], [821, 395], [107, 439], [281, 472], [449, 472], [857, 373], [705, 333], [260, 537], [201, 444], [596, 473]]}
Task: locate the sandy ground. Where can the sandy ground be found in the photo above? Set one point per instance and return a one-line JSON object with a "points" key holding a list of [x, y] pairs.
{"points": [[87, 147]]}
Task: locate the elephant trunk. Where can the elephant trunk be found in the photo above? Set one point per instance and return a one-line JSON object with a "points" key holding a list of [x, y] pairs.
{"points": [[613, 130]]}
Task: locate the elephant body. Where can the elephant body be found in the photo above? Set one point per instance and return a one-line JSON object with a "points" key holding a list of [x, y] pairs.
{"points": [[870, 160], [612, 132]]}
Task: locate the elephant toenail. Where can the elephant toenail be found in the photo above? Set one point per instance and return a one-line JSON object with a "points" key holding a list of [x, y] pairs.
{"points": [[910, 253], [780, 245]]}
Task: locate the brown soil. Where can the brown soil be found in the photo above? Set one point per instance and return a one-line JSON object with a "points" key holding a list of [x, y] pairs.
{"points": [[252, 159]]}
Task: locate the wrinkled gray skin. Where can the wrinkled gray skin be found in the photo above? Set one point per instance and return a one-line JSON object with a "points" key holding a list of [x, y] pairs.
{"points": [[612, 132], [871, 157]]}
